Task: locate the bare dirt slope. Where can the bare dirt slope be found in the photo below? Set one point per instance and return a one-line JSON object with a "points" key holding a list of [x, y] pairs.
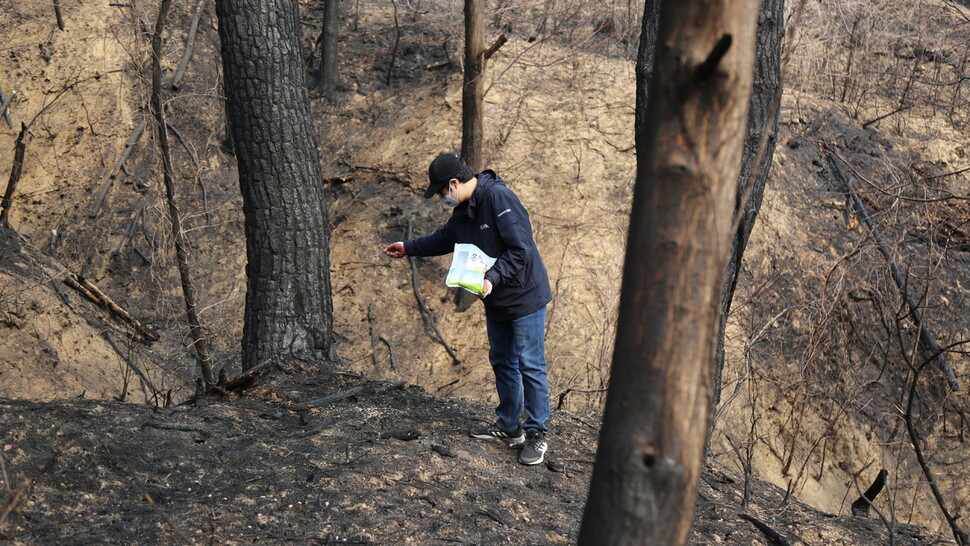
{"points": [[813, 302]]}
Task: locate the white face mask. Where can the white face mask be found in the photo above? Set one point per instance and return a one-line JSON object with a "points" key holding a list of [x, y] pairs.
{"points": [[448, 201]]}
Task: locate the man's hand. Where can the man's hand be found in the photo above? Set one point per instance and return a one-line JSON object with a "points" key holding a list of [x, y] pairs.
{"points": [[486, 288], [395, 250]]}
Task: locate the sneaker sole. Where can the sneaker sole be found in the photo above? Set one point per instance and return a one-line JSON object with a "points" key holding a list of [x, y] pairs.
{"points": [[511, 442]]}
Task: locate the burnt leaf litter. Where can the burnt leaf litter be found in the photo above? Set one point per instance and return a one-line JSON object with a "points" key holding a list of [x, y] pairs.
{"points": [[389, 465]]}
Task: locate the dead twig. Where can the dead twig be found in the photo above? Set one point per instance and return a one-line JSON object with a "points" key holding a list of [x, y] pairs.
{"points": [[109, 179], [23, 490], [184, 427], [563, 394], [16, 169], [129, 231], [425, 312], [3, 473], [198, 170], [390, 350], [884, 116], [189, 45], [772, 535], [373, 334]]}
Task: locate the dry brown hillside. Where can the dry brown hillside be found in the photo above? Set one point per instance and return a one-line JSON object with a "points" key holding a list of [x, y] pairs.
{"points": [[822, 356]]}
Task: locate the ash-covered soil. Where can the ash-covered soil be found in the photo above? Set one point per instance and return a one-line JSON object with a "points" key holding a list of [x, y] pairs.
{"points": [[389, 465]]}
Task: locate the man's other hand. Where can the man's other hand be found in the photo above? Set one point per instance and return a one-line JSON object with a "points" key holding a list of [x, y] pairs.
{"points": [[395, 250], [486, 288]]}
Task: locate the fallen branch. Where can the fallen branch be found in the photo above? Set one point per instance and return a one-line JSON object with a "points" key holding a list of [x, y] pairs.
{"points": [[109, 180], [884, 116], [342, 395], [425, 312], [100, 327], [772, 535], [493, 513], [397, 40], [944, 175], [329, 399], [189, 44], [16, 169], [247, 378], [185, 144], [926, 338], [93, 293], [184, 427], [390, 387]]}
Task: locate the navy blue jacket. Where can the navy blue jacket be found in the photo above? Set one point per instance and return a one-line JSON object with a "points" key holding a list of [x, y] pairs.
{"points": [[495, 221]]}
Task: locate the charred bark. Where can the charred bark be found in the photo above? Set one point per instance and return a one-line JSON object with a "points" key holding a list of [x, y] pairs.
{"points": [[289, 307], [760, 138]]}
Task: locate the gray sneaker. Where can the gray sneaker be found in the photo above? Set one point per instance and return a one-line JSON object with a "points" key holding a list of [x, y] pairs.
{"points": [[514, 438], [534, 450]]}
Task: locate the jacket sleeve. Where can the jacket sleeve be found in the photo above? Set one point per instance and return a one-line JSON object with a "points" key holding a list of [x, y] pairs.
{"points": [[514, 228], [438, 243]]}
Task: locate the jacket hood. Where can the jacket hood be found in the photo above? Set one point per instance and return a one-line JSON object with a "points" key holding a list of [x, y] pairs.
{"points": [[486, 180]]}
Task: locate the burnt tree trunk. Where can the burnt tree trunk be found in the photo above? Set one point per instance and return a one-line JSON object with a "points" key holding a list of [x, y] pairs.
{"points": [[473, 90], [689, 145], [472, 103], [289, 307], [760, 138], [328, 78]]}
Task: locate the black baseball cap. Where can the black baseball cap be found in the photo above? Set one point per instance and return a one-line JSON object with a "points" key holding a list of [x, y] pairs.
{"points": [[443, 169]]}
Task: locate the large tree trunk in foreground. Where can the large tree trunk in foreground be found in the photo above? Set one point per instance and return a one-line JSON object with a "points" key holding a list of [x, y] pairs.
{"points": [[688, 156], [759, 149], [288, 300], [759, 143]]}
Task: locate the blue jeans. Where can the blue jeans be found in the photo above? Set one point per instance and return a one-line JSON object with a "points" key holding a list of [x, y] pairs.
{"points": [[518, 356]]}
